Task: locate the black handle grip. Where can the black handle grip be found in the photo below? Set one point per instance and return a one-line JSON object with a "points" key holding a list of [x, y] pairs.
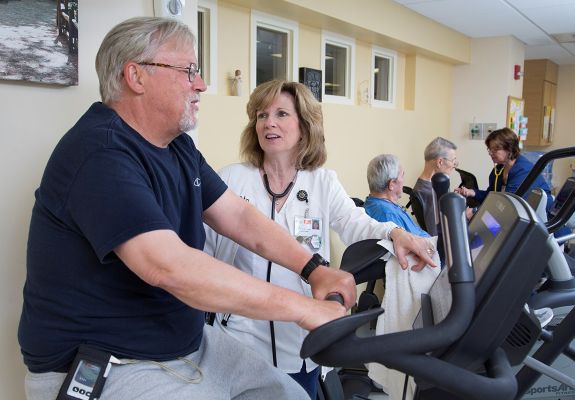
{"points": [[440, 183], [335, 297]]}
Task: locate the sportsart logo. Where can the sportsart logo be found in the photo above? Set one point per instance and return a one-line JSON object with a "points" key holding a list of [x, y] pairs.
{"points": [[561, 390]]}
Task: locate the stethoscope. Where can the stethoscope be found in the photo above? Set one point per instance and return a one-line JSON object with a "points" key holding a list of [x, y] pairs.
{"points": [[497, 175], [275, 197]]}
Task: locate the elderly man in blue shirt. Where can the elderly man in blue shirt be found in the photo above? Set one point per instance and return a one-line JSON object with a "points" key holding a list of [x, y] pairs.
{"points": [[385, 180]]}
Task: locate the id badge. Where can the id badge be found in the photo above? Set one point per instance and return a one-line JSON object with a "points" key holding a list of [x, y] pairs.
{"points": [[309, 230], [303, 226]]}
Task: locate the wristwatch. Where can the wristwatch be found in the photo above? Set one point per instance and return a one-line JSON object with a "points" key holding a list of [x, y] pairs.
{"points": [[315, 261]]}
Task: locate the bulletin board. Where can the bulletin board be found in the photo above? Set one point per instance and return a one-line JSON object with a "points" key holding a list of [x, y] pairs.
{"points": [[515, 108]]}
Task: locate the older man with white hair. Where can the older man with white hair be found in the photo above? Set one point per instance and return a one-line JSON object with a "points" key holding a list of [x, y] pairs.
{"points": [[385, 180]]}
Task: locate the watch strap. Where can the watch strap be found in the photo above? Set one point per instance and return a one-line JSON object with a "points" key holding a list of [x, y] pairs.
{"points": [[315, 261]]}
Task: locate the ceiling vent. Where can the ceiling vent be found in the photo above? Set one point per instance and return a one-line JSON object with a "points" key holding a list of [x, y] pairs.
{"points": [[565, 37]]}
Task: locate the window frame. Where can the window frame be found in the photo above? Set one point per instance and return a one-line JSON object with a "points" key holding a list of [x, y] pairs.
{"points": [[391, 80], [210, 8], [349, 43], [268, 21]]}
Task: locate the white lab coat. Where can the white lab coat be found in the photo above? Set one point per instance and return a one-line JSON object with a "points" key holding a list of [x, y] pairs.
{"points": [[326, 200]]}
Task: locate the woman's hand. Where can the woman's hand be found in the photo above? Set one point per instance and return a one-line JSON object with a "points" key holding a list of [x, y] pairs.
{"points": [[405, 243], [465, 192], [469, 212]]}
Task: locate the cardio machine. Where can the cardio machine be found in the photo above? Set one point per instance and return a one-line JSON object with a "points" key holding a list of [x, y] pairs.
{"points": [[559, 288], [455, 350]]}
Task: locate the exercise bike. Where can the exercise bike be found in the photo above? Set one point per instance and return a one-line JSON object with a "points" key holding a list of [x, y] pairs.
{"points": [[456, 352]]}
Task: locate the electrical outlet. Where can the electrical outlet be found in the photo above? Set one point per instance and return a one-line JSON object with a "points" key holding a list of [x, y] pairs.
{"points": [[476, 131], [488, 127]]}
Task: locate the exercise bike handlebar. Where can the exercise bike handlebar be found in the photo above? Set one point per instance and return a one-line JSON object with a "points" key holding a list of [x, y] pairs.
{"points": [[336, 344], [335, 297], [425, 339], [563, 215]]}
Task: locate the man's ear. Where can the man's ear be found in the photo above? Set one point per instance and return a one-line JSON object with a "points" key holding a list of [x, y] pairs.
{"points": [[134, 77], [438, 163]]}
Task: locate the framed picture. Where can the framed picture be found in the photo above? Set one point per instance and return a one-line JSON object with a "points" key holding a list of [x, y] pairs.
{"points": [[312, 79], [39, 41]]}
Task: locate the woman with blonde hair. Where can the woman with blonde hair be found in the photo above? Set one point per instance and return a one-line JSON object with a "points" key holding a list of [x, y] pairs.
{"points": [[283, 146]]}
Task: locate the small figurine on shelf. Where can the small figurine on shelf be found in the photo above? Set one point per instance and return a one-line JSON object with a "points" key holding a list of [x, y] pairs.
{"points": [[237, 83]]}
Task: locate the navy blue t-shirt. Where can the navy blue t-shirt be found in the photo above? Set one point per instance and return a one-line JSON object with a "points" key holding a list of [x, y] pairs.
{"points": [[103, 185]]}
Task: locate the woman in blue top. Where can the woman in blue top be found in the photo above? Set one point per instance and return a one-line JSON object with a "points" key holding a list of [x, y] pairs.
{"points": [[510, 170]]}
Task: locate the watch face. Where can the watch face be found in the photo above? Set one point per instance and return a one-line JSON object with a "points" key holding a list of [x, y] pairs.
{"points": [[321, 260]]}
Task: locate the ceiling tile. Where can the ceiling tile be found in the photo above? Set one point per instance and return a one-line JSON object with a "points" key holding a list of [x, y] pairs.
{"points": [[530, 21]]}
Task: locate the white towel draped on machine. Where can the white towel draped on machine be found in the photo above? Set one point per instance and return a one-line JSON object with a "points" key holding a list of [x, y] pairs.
{"points": [[401, 301]]}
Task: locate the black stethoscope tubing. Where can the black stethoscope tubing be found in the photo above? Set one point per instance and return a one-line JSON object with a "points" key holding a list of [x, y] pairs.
{"points": [[275, 197]]}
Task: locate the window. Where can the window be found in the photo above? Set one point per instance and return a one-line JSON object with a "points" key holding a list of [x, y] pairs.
{"points": [[273, 50], [338, 57], [207, 43], [383, 77]]}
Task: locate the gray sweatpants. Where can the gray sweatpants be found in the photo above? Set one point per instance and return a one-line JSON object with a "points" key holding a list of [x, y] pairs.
{"points": [[229, 370]]}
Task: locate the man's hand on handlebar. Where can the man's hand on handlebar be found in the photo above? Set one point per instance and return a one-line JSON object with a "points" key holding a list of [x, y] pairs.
{"points": [[321, 312], [325, 281]]}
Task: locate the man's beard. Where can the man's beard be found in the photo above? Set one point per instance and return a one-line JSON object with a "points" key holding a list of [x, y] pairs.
{"points": [[188, 120]]}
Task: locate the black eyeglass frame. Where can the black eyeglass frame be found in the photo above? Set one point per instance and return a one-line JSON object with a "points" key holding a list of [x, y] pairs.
{"points": [[193, 70]]}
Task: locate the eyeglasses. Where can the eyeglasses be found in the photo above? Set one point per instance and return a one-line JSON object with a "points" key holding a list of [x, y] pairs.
{"points": [[453, 161], [493, 150], [193, 70]]}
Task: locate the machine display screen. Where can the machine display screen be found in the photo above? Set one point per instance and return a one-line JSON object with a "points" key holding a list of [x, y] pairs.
{"points": [[475, 245], [491, 223], [481, 240]]}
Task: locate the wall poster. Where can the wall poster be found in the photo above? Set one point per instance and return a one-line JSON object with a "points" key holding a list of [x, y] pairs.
{"points": [[515, 118]]}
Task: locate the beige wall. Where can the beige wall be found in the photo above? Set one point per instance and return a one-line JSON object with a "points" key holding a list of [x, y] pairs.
{"points": [[34, 117], [480, 91]]}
